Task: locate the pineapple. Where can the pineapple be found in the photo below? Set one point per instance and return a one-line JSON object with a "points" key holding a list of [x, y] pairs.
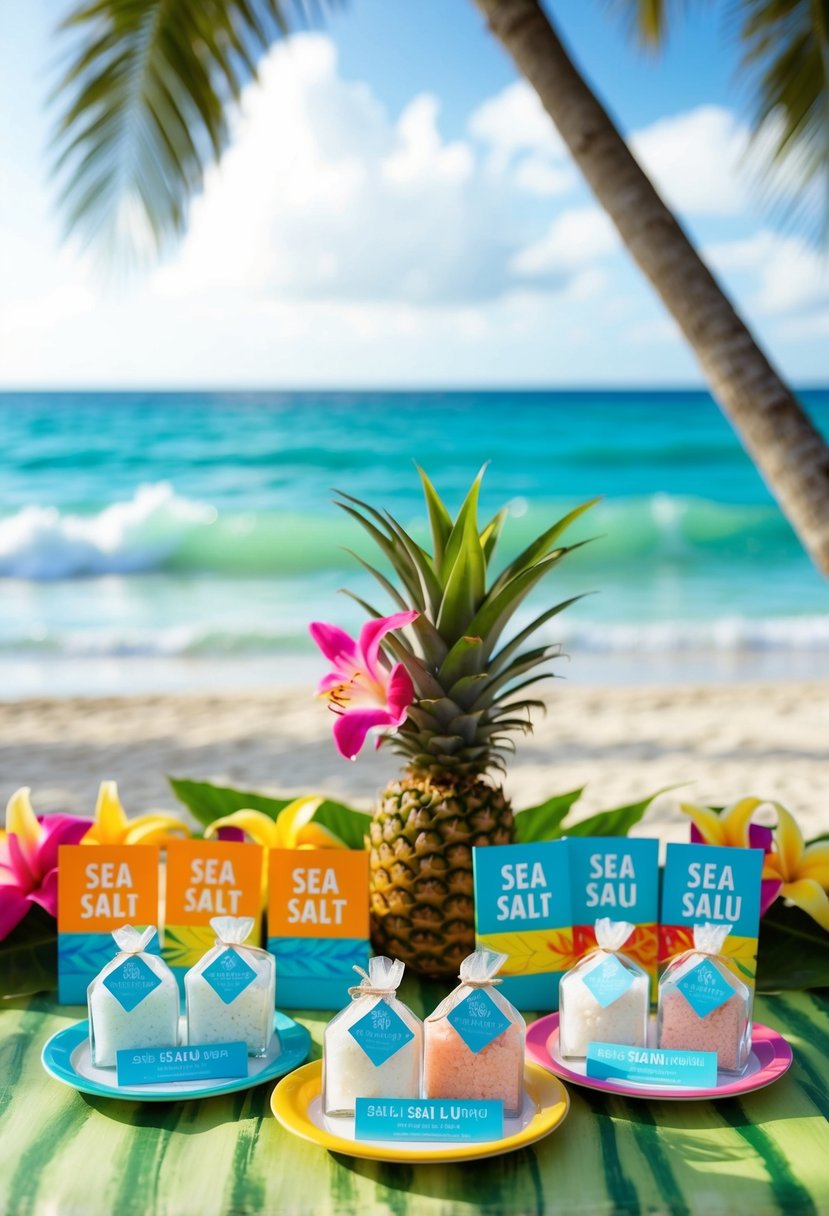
{"points": [[469, 699]]}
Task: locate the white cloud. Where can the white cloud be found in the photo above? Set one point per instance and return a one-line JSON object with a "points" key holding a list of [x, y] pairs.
{"points": [[575, 238], [338, 203], [787, 274], [514, 121], [693, 158]]}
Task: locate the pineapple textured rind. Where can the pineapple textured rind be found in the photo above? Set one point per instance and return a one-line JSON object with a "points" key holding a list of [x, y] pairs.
{"points": [[421, 841]]}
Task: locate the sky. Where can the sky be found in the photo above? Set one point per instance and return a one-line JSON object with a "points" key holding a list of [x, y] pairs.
{"points": [[396, 210]]}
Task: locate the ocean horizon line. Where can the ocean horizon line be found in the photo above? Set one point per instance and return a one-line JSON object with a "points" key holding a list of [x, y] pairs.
{"points": [[374, 390]]}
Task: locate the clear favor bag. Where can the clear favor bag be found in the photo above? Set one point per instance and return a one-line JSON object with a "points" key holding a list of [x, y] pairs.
{"points": [[474, 1040], [133, 1001], [703, 1005], [604, 998], [373, 1048], [231, 991]]}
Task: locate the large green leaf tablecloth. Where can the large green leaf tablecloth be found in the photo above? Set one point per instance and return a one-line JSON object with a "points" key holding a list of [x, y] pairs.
{"points": [[62, 1154]]}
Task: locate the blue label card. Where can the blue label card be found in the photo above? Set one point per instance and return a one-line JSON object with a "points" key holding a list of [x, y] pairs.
{"points": [[159, 1065], [706, 883], [652, 1065], [131, 982], [522, 909], [436, 1119], [381, 1033], [608, 981], [228, 975], [478, 1020], [704, 988]]}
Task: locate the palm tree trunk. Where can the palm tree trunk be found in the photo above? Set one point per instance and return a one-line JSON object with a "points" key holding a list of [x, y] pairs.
{"points": [[783, 442]]}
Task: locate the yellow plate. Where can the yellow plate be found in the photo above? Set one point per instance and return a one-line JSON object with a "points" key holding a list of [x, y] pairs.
{"points": [[296, 1102]]}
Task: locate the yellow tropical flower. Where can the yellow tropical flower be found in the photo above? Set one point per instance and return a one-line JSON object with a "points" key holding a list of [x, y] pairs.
{"points": [[801, 869], [730, 828], [293, 828], [112, 826]]}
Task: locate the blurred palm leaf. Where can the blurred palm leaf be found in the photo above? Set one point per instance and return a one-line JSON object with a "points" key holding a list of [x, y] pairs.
{"points": [[786, 62], [787, 59], [147, 93]]}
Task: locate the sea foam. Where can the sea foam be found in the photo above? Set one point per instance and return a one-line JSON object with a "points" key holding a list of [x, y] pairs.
{"points": [[41, 543]]}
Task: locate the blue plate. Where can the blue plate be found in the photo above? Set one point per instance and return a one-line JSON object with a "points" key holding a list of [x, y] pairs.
{"points": [[67, 1058]]}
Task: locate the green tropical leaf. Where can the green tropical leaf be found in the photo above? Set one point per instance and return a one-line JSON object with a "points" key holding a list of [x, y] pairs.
{"points": [[496, 610], [506, 652], [208, 802], [399, 558], [541, 547], [786, 60], [793, 951], [616, 822], [465, 585], [146, 99], [541, 822], [29, 955], [439, 519], [468, 514], [492, 533], [462, 660]]}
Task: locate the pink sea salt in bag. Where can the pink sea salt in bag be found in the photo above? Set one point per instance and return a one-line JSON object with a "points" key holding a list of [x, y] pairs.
{"points": [[474, 1040], [703, 1005]]}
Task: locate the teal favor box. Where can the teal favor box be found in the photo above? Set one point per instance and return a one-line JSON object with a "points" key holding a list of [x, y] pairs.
{"points": [[523, 910]]}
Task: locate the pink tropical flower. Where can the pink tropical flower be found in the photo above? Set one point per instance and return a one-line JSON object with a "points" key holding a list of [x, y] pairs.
{"points": [[734, 827], [29, 858], [361, 690]]}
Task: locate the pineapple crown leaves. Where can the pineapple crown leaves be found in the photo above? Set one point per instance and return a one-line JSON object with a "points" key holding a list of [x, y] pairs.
{"points": [[465, 688]]}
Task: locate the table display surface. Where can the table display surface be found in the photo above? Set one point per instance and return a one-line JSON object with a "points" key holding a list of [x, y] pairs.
{"points": [[62, 1152]]}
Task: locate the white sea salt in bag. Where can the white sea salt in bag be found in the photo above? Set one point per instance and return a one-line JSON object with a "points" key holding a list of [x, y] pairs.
{"points": [[605, 997], [231, 991], [133, 1001], [373, 1048]]}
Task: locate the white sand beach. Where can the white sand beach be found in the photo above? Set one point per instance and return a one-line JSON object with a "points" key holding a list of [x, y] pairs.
{"points": [[719, 742]]}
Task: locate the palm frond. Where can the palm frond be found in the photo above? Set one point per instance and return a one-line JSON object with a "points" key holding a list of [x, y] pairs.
{"points": [[650, 20], [145, 100], [786, 59]]}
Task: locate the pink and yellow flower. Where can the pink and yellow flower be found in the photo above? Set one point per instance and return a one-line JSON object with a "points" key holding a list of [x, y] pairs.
{"points": [[29, 858], [801, 870], [361, 690], [293, 828], [111, 825], [797, 871], [734, 828]]}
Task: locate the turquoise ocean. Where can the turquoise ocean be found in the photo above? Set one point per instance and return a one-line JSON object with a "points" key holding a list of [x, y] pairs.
{"points": [[156, 541]]}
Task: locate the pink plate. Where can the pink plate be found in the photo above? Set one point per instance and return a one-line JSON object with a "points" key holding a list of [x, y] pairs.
{"points": [[771, 1057]]}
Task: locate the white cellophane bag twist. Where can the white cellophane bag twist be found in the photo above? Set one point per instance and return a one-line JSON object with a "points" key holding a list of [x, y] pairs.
{"points": [[703, 1004], [231, 991], [474, 1040], [133, 1001], [373, 1048], [605, 997]]}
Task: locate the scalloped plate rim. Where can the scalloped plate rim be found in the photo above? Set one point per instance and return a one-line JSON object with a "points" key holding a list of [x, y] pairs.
{"points": [[771, 1067], [290, 1102], [58, 1049]]}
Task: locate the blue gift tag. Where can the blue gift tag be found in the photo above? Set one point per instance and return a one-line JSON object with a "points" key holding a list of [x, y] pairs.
{"points": [[704, 988], [478, 1020], [608, 981], [652, 1065], [381, 1033], [428, 1119], [131, 982], [228, 975], [195, 1062]]}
